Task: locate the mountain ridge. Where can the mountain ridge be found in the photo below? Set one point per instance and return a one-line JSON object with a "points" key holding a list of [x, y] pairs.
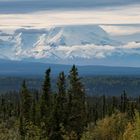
{"points": [[21, 68], [60, 41]]}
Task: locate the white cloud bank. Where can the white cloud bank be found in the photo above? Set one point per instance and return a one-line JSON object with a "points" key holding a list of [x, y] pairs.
{"points": [[78, 51], [120, 30]]}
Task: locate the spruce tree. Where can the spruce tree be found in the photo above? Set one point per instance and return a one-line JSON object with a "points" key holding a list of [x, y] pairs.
{"points": [[25, 102], [33, 111], [25, 108], [114, 104], [58, 115], [121, 104], [46, 105], [96, 115], [3, 108], [55, 122], [124, 102], [77, 112], [47, 87], [22, 131], [104, 106], [46, 96], [62, 97]]}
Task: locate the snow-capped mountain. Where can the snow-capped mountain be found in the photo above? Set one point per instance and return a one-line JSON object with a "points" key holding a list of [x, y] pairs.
{"points": [[58, 42], [78, 35]]}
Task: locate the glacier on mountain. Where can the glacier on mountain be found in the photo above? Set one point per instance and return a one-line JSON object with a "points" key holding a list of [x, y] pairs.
{"points": [[61, 43]]}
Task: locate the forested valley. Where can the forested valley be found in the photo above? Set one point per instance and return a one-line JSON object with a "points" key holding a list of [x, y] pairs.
{"points": [[67, 112]]}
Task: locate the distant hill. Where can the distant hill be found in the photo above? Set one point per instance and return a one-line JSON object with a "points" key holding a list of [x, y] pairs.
{"points": [[22, 68]]}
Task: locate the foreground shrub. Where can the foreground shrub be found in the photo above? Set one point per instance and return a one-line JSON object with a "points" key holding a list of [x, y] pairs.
{"points": [[110, 128]]}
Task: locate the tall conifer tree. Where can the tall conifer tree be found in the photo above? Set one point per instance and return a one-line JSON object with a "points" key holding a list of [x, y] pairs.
{"points": [[77, 113], [25, 108], [25, 102], [58, 116], [46, 105]]}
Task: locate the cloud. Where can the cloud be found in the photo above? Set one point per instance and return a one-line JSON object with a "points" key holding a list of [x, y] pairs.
{"points": [[99, 52], [27, 6], [132, 45], [90, 51], [119, 30], [85, 51], [118, 15]]}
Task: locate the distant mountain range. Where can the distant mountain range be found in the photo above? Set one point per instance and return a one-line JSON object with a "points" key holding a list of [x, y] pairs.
{"points": [[53, 43], [22, 68], [78, 44]]}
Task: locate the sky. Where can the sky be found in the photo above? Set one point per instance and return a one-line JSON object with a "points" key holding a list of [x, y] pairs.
{"points": [[42, 13]]}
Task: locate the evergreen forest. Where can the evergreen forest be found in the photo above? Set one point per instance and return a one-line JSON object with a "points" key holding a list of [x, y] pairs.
{"points": [[68, 112]]}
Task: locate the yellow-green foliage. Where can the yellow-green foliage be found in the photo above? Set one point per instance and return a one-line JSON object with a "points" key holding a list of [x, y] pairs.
{"points": [[137, 127], [116, 127], [132, 131], [70, 136], [129, 132], [110, 128], [33, 132], [9, 131]]}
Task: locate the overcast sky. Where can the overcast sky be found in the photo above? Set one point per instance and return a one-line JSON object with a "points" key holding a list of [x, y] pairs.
{"points": [[44, 13], [16, 6]]}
